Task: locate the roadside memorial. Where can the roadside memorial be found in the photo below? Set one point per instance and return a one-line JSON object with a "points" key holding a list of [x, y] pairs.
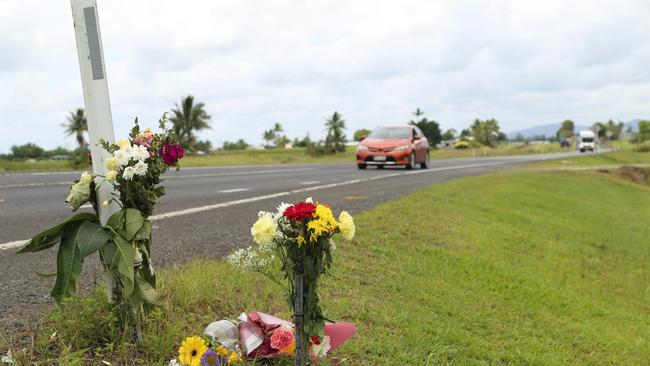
{"points": [[294, 248]]}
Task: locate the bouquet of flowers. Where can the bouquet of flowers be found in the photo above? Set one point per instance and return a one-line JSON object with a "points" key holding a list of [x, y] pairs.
{"points": [[134, 170], [254, 336], [294, 249]]}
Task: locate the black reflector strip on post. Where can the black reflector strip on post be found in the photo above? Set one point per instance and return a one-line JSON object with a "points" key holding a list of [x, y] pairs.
{"points": [[93, 44]]}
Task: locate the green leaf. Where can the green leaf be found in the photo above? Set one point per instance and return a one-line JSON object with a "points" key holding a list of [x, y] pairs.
{"points": [[123, 261], [147, 292], [68, 264], [126, 222], [45, 274], [51, 236], [145, 231], [90, 237]]}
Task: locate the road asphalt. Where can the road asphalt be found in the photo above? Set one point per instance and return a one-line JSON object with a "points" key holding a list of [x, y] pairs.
{"points": [[207, 212]]}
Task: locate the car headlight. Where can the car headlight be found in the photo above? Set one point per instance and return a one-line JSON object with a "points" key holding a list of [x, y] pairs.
{"points": [[362, 148], [400, 148]]}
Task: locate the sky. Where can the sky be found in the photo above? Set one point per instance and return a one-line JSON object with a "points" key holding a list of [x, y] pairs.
{"points": [[254, 63]]}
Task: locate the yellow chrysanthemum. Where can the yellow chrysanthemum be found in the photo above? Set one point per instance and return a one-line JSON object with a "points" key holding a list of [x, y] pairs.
{"points": [[110, 163], [191, 351], [85, 178], [346, 225], [111, 175], [222, 351], [300, 239], [122, 143], [264, 229], [323, 223], [234, 358]]}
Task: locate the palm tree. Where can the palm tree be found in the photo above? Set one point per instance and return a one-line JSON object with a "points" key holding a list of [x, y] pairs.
{"points": [[335, 140], [187, 118], [77, 124]]}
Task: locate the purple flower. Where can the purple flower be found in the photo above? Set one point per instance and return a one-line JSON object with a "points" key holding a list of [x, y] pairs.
{"points": [[171, 153], [211, 358]]}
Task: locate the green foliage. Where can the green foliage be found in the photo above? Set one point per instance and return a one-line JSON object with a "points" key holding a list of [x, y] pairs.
{"points": [[358, 134], [274, 136], [335, 139], [567, 129], [203, 146], [450, 134], [430, 128], [187, 119], [27, 151], [644, 131], [486, 132], [237, 145], [76, 125]]}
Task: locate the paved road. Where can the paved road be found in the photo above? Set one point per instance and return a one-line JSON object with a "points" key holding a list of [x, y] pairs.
{"points": [[207, 212]]}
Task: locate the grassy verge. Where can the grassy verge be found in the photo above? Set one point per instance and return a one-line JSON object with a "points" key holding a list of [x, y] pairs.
{"points": [[40, 165], [513, 268], [618, 157]]}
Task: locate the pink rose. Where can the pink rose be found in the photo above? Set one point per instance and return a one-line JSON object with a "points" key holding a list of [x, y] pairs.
{"points": [[281, 338]]}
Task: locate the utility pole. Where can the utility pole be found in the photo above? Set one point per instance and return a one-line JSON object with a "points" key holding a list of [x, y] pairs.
{"points": [[95, 91]]}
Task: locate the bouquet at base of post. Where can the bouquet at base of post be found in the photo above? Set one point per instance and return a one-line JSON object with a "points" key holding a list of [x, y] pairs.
{"points": [[294, 248], [254, 336]]}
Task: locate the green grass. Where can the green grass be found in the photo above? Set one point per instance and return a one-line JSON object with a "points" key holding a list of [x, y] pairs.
{"points": [[39, 165], [537, 268], [619, 157]]}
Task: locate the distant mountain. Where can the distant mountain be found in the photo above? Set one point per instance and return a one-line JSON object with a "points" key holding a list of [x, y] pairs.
{"points": [[542, 130], [550, 130]]}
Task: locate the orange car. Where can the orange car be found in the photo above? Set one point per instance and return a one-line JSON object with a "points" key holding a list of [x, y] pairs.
{"points": [[394, 145]]}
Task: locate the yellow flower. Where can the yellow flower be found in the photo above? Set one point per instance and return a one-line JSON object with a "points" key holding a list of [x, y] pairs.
{"points": [[191, 351], [264, 229], [346, 225], [290, 349], [234, 358], [222, 351], [85, 178], [122, 143], [110, 163], [147, 131], [111, 175], [324, 223], [300, 239]]}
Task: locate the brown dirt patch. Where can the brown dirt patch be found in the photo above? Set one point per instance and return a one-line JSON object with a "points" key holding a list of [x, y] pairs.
{"points": [[634, 173]]}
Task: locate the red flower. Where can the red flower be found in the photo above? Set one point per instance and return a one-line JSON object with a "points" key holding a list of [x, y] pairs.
{"points": [[171, 153], [300, 211]]}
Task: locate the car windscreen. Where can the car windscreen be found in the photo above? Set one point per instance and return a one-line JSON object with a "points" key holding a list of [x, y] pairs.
{"points": [[587, 139], [390, 133]]}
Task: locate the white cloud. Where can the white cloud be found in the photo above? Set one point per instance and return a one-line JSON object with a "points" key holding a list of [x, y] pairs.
{"points": [[254, 63]]}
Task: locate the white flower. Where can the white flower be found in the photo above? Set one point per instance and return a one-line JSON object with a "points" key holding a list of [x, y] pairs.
{"points": [[174, 363], [9, 358], [128, 173], [141, 168], [122, 156], [140, 152], [309, 200], [85, 178], [320, 350]]}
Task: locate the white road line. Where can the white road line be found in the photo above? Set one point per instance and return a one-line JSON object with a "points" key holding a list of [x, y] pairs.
{"points": [[209, 175], [190, 211], [234, 190], [309, 183]]}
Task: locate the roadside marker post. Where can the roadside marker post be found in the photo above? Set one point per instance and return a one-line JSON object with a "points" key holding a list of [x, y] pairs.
{"points": [[95, 91]]}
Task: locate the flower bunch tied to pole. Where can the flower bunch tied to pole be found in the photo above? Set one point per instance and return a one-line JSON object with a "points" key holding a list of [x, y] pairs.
{"points": [[134, 169], [294, 248]]}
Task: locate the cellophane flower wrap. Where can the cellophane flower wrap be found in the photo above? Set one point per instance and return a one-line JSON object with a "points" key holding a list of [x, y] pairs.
{"points": [[297, 238]]}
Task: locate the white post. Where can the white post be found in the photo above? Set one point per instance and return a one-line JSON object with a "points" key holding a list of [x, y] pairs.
{"points": [[95, 90]]}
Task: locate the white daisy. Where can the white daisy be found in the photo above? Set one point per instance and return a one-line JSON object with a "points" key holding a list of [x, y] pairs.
{"points": [[140, 152], [128, 173], [122, 156], [141, 168]]}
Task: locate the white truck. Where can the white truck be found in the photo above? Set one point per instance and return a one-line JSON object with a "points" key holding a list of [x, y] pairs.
{"points": [[587, 141]]}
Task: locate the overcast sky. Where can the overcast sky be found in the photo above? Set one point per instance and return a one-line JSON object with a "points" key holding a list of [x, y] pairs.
{"points": [[254, 63]]}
